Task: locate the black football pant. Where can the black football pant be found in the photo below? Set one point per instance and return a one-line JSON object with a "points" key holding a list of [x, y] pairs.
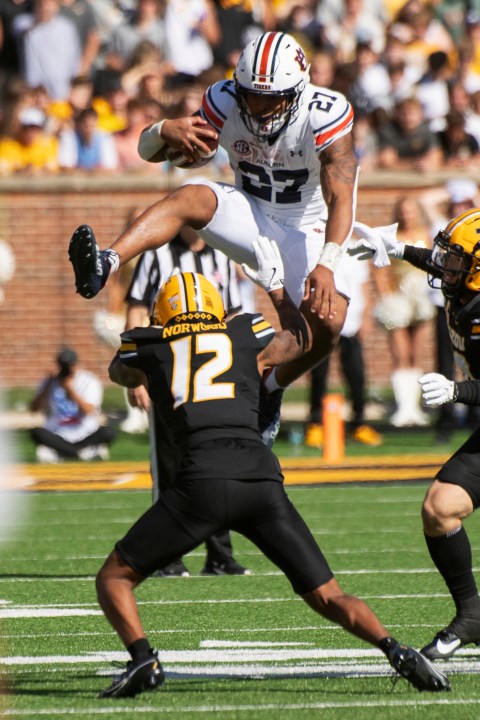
{"points": [[163, 470]]}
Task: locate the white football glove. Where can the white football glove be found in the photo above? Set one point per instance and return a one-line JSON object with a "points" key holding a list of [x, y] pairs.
{"points": [[379, 242], [269, 275], [437, 389]]}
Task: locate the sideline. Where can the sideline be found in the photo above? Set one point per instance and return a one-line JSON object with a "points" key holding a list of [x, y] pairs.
{"points": [[106, 475]]}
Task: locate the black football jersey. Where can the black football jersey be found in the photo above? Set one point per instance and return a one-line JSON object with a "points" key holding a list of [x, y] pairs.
{"points": [[463, 320], [464, 330], [202, 374]]}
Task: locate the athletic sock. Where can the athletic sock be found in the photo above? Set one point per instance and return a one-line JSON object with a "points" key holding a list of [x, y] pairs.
{"points": [[452, 555], [139, 649], [113, 258], [386, 645]]}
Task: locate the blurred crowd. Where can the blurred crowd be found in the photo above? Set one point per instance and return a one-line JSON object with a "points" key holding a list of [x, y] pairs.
{"points": [[79, 79]]}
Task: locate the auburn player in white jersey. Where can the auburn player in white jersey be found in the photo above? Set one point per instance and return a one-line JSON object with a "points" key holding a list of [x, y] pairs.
{"points": [[291, 149]]}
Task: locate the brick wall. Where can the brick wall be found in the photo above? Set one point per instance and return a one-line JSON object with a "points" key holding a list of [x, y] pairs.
{"points": [[41, 310]]}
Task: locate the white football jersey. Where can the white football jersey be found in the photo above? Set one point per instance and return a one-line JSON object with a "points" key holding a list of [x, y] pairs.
{"points": [[284, 176]]}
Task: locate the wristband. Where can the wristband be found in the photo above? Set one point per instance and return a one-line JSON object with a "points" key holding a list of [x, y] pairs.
{"points": [[331, 256], [150, 141]]}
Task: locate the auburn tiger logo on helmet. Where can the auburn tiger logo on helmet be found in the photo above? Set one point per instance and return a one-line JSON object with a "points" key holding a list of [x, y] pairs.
{"points": [[186, 293], [456, 254]]}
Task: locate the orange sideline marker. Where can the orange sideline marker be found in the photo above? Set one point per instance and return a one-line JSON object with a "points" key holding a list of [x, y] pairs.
{"points": [[333, 428]]}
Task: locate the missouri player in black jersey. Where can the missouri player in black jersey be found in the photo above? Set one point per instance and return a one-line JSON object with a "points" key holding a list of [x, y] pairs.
{"points": [[204, 374], [454, 494]]}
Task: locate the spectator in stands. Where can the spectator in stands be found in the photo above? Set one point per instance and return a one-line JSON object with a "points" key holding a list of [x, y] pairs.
{"points": [[322, 68], [71, 399], [357, 23], [400, 86], [355, 275], [460, 149], [49, 48], [330, 12], [300, 20], [192, 31], [145, 23], [87, 148], [453, 16], [62, 113], [461, 101], [406, 142], [146, 60], [110, 102], [238, 23], [432, 90], [371, 88], [30, 150], [365, 143], [9, 55], [83, 16], [17, 96], [404, 310], [422, 34], [126, 141], [472, 36]]}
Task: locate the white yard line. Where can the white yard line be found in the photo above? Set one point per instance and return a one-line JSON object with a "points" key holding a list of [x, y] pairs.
{"points": [[233, 660], [177, 710]]}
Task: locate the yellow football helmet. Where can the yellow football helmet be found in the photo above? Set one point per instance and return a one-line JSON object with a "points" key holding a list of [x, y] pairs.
{"points": [[184, 294], [456, 254]]}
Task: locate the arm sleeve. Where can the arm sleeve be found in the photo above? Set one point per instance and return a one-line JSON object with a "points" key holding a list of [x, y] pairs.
{"points": [[420, 258], [468, 392]]}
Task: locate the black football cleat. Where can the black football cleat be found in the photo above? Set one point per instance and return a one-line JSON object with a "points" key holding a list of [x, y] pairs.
{"points": [[461, 631], [230, 567], [90, 264], [144, 675], [176, 569], [414, 667]]}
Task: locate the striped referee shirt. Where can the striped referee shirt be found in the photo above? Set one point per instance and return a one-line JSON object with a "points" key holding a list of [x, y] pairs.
{"points": [[155, 267]]}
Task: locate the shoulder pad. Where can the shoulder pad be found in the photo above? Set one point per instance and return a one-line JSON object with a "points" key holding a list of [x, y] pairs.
{"points": [[217, 103], [141, 334], [331, 115]]}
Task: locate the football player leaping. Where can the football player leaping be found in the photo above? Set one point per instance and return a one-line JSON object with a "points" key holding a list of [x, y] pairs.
{"points": [[289, 144], [455, 491]]}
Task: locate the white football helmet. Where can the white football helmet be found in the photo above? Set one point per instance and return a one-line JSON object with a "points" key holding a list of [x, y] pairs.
{"points": [[274, 65]]}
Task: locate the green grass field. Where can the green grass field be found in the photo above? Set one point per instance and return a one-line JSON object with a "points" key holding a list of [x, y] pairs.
{"points": [[234, 648]]}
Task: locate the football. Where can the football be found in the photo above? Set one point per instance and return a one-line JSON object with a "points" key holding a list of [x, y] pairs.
{"points": [[176, 157]]}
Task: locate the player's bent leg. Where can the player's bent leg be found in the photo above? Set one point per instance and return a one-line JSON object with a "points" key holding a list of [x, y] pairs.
{"points": [[348, 611], [444, 508], [115, 583], [356, 617], [193, 205]]}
